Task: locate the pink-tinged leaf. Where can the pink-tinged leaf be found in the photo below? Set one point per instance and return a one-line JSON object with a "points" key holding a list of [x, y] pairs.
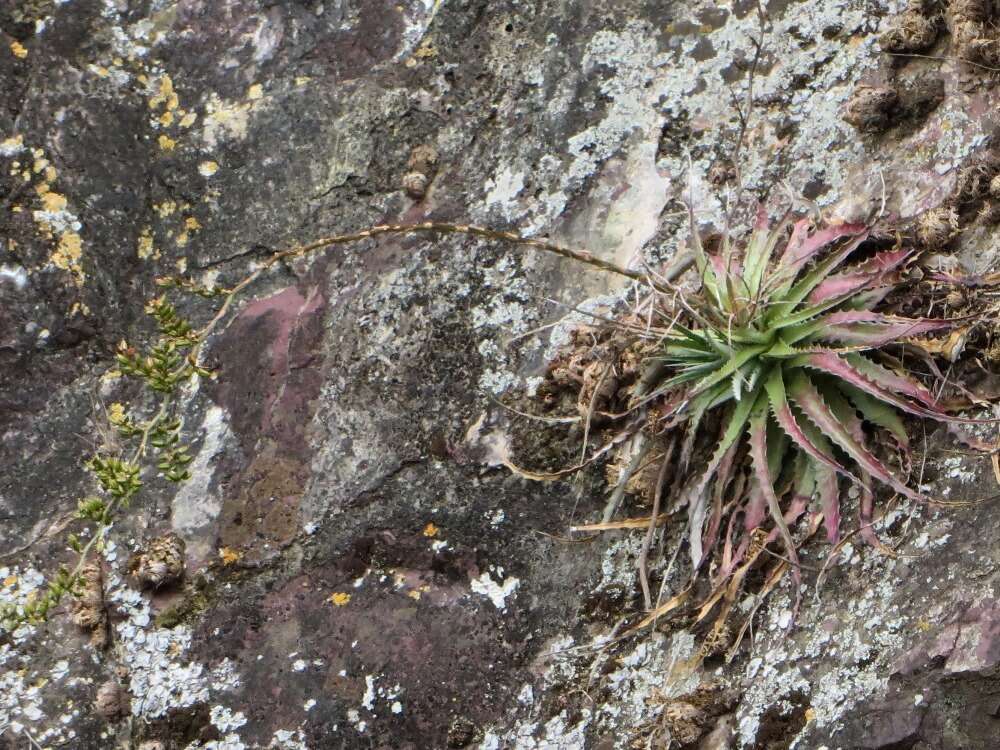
{"points": [[859, 278], [729, 560], [852, 371], [829, 499], [878, 413], [878, 334], [870, 298], [809, 400], [847, 416], [725, 474], [866, 513], [889, 380], [801, 249], [761, 221], [884, 384], [762, 473], [841, 317], [756, 510], [786, 420]]}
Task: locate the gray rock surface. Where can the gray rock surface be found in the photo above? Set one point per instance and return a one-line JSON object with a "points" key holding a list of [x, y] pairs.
{"points": [[361, 573]]}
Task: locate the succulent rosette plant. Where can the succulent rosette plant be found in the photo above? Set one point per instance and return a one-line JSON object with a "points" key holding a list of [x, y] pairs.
{"points": [[784, 342]]}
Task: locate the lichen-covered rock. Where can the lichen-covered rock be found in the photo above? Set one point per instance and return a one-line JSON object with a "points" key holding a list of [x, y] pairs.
{"points": [[352, 540]]}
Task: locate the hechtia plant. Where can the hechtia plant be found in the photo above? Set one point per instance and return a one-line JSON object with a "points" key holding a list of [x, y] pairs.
{"points": [[762, 394]]}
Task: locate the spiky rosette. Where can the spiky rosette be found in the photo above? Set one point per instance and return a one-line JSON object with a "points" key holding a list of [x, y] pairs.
{"points": [[782, 342], [763, 390]]}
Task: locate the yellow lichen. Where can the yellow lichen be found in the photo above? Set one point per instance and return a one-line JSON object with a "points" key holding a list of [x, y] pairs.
{"points": [[255, 92], [339, 598], [53, 201], [18, 49], [166, 119], [302, 80], [166, 208], [164, 95], [145, 246], [167, 143], [182, 265], [208, 168], [12, 145], [67, 255], [188, 120]]}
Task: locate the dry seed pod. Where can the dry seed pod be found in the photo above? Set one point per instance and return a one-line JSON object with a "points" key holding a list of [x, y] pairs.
{"points": [[971, 40], [913, 31], [870, 108], [415, 184], [989, 214], [937, 226], [686, 722], [87, 610], [111, 702], [161, 563], [956, 298], [423, 158], [978, 11]]}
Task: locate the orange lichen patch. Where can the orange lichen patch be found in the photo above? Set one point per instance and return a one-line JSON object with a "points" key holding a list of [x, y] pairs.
{"points": [[228, 555], [166, 143], [18, 49], [339, 598], [67, 255], [431, 530], [52, 201], [9, 581]]}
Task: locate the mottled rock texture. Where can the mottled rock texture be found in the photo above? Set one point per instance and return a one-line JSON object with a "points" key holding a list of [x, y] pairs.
{"points": [[360, 572]]}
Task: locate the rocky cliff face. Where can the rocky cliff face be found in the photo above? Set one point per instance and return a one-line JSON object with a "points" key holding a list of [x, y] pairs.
{"points": [[360, 570]]}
